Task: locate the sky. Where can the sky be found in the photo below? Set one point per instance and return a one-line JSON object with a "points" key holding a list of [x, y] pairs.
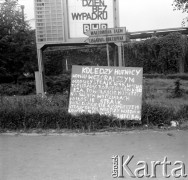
{"points": [[136, 15]]}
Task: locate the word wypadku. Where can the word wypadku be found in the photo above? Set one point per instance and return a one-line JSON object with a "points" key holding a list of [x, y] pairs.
{"points": [[107, 90]]}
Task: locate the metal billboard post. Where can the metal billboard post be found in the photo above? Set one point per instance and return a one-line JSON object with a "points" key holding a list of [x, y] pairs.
{"points": [[108, 55], [115, 54], [120, 62], [107, 50], [123, 54], [41, 83], [117, 50], [120, 55]]}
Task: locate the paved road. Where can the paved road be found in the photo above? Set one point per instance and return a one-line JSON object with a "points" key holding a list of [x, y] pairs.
{"points": [[87, 157]]}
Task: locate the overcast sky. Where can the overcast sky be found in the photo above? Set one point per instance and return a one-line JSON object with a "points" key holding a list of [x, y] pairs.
{"points": [[137, 15]]}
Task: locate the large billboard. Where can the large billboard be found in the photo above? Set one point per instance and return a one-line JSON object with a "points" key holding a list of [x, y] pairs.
{"points": [[84, 15], [66, 21]]}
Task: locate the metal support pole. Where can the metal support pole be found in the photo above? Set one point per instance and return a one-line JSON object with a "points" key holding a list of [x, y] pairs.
{"points": [[123, 54], [119, 54], [108, 55], [115, 54], [116, 24], [41, 73], [22, 8]]}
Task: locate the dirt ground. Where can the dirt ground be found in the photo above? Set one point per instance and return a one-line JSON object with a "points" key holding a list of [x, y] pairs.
{"points": [[74, 156]]}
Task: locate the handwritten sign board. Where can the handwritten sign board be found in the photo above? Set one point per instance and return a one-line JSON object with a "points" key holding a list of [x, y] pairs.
{"points": [[105, 90]]}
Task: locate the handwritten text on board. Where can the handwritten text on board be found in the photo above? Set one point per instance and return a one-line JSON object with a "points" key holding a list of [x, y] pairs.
{"points": [[107, 90]]}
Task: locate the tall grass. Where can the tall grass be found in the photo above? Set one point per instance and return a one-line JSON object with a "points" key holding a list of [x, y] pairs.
{"points": [[31, 112]]}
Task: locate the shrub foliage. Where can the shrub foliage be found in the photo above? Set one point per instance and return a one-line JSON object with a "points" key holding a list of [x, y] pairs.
{"points": [[158, 55], [51, 113]]}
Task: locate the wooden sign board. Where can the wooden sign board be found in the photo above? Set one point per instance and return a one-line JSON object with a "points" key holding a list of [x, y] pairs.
{"points": [[103, 32], [106, 90], [106, 39]]}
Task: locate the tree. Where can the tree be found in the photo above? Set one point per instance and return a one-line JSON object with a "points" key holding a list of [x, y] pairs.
{"points": [[17, 42], [181, 5]]}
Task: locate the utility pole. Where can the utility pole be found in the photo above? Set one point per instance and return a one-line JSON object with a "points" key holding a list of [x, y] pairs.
{"points": [[22, 8]]}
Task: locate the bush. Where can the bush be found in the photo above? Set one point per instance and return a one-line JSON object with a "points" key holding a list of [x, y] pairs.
{"points": [[50, 118], [182, 114], [51, 113], [167, 76], [158, 55], [156, 114], [6, 78], [55, 84], [58, 84], [24, 88]]}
